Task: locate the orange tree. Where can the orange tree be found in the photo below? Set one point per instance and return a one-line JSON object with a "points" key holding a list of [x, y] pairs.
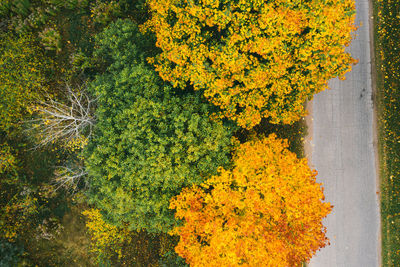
{"points": [[254, 59], [266, 211]]}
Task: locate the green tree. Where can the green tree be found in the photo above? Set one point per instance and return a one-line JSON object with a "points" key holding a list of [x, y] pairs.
{"points": [[149, 143], [121, 44]]}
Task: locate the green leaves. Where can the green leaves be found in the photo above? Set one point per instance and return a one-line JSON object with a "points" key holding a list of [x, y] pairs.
{"points": [[122, 43], [149, 142]]}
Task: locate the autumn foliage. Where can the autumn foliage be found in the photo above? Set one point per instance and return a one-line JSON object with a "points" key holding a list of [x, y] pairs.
{"points": [[253, 59], [118, 244], [266, 211], [22, 78]]}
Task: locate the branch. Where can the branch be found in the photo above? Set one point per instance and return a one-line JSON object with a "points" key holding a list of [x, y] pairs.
{"points": [[66, 121]]}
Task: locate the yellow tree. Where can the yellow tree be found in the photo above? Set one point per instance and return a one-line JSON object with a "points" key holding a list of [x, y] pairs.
{"points": [[253, 59], [22, 78], [266, 211]]}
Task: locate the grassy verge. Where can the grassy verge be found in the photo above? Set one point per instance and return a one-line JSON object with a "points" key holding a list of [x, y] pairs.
{"points": [[387, 58]]}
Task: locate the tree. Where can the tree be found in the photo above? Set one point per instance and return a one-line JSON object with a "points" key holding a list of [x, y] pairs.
{"points": [[69, 121], [253, 59], [22, 79], [8, 161], [106, 239], [149, 143], [266, 211], [121, 44], [71, 176]]}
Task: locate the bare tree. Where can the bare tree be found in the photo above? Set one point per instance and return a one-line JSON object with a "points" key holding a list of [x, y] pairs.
{"points": [[70, 177], [66, 121], [68, 118]]}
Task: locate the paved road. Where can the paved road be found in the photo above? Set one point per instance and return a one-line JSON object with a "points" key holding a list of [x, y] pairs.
{"points": [[342, 151]]}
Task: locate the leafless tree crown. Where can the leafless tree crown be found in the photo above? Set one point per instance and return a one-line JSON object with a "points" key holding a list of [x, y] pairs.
{"points": [[66, 121]]}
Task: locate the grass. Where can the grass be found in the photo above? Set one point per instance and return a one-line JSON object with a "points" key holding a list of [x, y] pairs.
{"points": [[387, 63]]}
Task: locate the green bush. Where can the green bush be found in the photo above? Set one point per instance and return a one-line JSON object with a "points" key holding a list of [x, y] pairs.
{"points": [[10, 253], [149, 142]]}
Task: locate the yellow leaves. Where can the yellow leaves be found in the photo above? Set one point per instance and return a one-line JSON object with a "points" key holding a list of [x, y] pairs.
{"points": [[266, 211], [161, 6], [76, 144], [15, 216], [8, 161], [104, 235], [217, 45], [21, 77]]}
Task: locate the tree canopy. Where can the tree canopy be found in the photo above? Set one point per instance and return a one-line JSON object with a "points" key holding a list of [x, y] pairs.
{"points": [[148, 143], [266, 211], [22, 77], [253, 59]]}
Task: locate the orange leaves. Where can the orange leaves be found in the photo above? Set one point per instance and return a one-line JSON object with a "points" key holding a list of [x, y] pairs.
{"points": [[217, 45], [266, 211]]}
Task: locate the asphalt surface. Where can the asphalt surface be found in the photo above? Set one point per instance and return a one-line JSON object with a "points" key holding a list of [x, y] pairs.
{"points": [[343, 153]]}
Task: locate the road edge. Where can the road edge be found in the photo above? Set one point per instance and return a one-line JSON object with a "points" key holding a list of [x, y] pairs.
{"points": [[308, 141], [308, 138], [375, 141]]}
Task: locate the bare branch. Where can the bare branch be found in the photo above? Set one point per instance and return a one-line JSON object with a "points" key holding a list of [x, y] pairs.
{"points": [[72, 120], [69, 178]]}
